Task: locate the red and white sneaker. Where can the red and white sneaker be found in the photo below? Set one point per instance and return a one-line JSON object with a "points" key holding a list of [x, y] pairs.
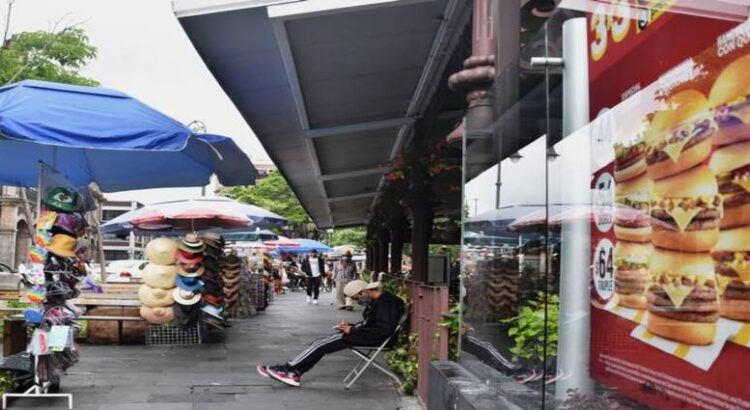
{"points": [[283, 375], [262, 370]]}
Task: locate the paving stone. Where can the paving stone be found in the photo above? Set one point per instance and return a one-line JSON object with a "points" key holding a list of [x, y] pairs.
{"points": [[222, 376]]}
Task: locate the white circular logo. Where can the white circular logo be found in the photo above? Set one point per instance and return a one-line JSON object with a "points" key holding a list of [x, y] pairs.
{"points": [[604, 269], [604, 200]]}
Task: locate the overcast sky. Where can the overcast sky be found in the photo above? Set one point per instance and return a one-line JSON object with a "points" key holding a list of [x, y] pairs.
{"points": [[144, 52]]}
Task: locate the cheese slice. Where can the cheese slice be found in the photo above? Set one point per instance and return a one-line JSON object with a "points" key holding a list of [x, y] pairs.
{"points": [[742, 268], [674, 150], [743, 182], [682, 217], [723, 282], [677, 293]]}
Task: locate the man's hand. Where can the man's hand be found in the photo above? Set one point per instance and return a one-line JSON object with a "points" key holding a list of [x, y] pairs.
{"points": [[345, 329], [343, 323]]}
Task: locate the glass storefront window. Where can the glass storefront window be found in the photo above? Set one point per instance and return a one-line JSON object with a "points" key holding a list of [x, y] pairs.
{"points": [[605, 250]]}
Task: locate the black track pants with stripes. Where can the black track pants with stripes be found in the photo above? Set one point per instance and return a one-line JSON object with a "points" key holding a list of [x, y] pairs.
{"points": [[316, 350]]}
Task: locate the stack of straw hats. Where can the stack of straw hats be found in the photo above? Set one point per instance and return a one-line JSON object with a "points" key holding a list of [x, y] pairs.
{"points": [[231, 269], [190, 270], [156, 293]]}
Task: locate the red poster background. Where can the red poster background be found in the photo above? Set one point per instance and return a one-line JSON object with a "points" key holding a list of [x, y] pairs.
{"points": [[636, 62]]}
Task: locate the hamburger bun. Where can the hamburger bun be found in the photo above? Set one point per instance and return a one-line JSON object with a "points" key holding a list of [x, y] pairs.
{"points": [[631, 171], [689, 158], [736, 309], [731, 85], [632, 301], [641, 235], [694, 183], [681, 263], [685, 108], [698, 181], [633, 224], [729, 158], [693, 333], [681, 107], [736, 216], [687, 241], [635, 187], [737, 239], [634, 251], [723, 162]]}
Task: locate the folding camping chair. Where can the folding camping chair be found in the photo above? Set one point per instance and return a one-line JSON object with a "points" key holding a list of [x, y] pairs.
{"points": [[369, 354]]}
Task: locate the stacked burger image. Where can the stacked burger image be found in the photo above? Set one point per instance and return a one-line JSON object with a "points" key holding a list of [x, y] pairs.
{"points": [[190, 270], [730, 163], [686, 209], [159, 281], [632, 224]]}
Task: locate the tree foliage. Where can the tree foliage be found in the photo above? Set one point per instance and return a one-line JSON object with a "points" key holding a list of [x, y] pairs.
{"points": [[274, 194], [348, 236], [50, 56]]}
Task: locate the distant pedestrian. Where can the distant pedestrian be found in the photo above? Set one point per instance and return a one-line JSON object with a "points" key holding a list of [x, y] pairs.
{"points": [[344, 272], [380, 320], [314, 267]]}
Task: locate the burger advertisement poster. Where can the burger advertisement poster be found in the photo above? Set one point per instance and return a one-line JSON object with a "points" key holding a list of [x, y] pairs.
{"points": [[670, 317]]}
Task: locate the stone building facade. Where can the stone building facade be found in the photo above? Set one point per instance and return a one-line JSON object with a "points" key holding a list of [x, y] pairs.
{"points": [[15, 236]]}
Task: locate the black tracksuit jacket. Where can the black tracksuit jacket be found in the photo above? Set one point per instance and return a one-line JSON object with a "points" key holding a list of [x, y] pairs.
{"points": [[380, 320]]}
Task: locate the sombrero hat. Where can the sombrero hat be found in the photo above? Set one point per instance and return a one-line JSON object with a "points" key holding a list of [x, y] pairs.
{"points": [[212, 299], [189, 258], [231, 280], [159, 276], [155, 297], [185, 297], [161, 251], [233, 299], [192, 244], [157, 315], [190, 271]]}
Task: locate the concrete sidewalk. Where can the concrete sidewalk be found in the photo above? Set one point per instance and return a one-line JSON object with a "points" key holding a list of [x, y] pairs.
{"points": [[222, 376]]}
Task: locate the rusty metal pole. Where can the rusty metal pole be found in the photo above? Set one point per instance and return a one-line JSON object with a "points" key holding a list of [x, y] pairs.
{"points": [[383, 241], [397, 243], [475, 80]]}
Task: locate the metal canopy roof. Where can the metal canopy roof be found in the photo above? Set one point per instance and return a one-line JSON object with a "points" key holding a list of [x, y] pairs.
{"points": [[330, 87]]}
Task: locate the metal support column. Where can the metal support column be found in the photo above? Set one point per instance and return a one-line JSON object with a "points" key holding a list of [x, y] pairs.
{"points": [[574, 327]]}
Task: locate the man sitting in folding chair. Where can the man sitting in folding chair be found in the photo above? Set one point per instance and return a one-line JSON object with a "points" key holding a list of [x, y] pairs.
{"points": [[382, 318]]}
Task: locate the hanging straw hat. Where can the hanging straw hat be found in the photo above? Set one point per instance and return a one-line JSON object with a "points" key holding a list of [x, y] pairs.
{"points": [[192, 244], [155, 297], [233, 298], [63, 245], [157, 315], [191, 284], [189, 258], [190, 271], [159, 276], [231, 280], [185, 297], [161, 251]]}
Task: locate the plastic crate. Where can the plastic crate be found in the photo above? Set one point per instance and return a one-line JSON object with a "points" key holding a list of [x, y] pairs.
{"points": [[172, 335]]}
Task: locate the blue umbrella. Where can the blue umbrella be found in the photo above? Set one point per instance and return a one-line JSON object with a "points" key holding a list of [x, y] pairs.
{"points": [[312, 244], [92, 134]]}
